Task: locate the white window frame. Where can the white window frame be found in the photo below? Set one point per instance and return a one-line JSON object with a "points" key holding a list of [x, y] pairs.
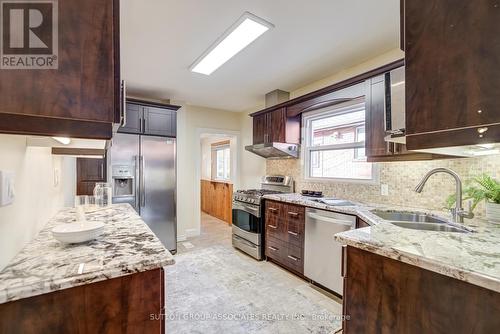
{"points": [[214, 162], [307, 119]]}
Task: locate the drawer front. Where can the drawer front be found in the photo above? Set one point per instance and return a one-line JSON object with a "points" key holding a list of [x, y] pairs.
{"points": [[274, 209], [295, 225], [275, 225], [275, 228], [294, 258], [276, 249]]}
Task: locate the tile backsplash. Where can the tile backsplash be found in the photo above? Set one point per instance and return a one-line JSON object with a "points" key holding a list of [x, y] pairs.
{"points": [[401, 177]]}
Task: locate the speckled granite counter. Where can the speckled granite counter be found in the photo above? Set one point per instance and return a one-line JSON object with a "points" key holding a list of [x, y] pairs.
{"points": [[471, 257], [45, 265]]}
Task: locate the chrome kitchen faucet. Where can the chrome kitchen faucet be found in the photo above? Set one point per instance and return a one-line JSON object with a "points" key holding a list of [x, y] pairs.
{"points": [[458, 212]]}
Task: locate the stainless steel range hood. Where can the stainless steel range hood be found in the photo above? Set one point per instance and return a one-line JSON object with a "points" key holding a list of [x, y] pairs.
{"points": [[275, 150]]}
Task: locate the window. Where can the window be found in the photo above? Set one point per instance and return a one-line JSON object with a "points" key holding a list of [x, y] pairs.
{"points": [[335, 143], [221, 161]]}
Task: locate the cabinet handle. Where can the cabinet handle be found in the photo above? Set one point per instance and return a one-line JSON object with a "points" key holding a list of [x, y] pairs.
{"points": [[293, 214], [293, 233], [293, 257], [102, 170], [273, 226], [123, 116], [273, 209], [272, 248]]}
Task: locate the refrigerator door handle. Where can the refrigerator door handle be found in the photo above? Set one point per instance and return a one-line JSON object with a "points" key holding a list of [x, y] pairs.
{"points": [[136, 179], [143, 181]]}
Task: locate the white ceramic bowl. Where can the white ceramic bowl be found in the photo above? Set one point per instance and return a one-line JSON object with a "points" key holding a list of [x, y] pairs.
{"points": [[78, 232]]}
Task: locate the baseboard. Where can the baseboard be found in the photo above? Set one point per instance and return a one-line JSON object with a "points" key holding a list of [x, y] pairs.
{"points": [[192, 232], [181, 237]]}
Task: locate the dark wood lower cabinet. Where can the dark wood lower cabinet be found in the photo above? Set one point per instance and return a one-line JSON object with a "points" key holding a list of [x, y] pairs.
{"points": [[285, 225], [382, 295], [128, 304]]}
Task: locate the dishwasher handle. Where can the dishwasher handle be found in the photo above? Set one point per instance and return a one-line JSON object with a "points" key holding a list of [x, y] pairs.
{"points": [[316, 216]]}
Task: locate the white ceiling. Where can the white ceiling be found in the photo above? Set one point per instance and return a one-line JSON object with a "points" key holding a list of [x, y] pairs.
{"points": [[312, 39]]}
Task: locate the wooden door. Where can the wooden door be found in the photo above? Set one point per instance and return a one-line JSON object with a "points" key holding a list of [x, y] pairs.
{"points": [[88, 173], [375, 144], [133, 117], [276, 126], [452, 55], [260, 129], [85, 84], [159, 122]]}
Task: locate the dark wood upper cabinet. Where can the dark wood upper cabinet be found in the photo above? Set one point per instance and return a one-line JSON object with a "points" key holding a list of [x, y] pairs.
{"points": [[150, 119], [133, 119], [159, 122], [276, 126], [452, 85], [88, 172], [377, 148], [81, 97]]}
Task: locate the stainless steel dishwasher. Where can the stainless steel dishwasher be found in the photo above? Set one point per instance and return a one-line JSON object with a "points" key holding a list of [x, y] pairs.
{"points": [[322, 254]]}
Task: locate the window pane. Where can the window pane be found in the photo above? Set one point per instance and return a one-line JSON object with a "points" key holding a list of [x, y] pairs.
{"points": [[342, 164], [338, 129], [220, 164], [227, 164]]}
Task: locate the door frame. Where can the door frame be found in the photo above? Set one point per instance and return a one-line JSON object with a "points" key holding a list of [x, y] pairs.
{"points": [[235, 175]]}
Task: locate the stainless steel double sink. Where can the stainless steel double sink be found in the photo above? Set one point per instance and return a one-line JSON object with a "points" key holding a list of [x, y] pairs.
{"points": [[419, 221]]}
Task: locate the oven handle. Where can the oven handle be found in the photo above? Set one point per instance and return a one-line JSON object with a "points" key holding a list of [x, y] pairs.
{"points": [[253, 210]]}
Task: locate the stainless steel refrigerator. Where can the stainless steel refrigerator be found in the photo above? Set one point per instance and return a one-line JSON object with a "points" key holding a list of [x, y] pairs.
{"points": [[142, 170]]}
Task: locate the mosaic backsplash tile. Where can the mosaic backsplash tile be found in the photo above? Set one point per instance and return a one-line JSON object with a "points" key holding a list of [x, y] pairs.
{"points": [[402, 177]]}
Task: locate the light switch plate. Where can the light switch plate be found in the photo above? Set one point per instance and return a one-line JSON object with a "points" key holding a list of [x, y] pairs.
{"points": [[7, 188], [384, 189]]}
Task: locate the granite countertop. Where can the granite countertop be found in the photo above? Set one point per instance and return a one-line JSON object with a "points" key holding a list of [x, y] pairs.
{"points": [[45, 265], [470, 257]]}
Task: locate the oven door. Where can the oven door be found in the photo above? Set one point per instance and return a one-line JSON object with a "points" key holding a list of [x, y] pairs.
{"points": [[246, 217]]}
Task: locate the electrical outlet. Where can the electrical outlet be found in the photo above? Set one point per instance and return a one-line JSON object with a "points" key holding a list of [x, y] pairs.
{"points": [[384, 189], [7, 188]]}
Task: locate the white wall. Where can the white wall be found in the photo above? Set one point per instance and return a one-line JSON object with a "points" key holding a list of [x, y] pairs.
{"points": [[252, 167], [347, 73], [68, 178], [37, 198]]}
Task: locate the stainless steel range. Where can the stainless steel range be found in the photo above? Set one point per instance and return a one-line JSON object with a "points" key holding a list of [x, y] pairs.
{"points": [[248, 223]]}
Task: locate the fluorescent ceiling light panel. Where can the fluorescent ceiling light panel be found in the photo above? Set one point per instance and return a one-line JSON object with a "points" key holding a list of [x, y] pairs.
{"points": [[246, 30]]}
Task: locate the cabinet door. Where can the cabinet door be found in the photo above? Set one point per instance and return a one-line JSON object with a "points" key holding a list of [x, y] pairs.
{"points": [[159, 122], [452, 55], [133, 117], [90, 169], [374, 116], [276, 126], [260, 128], [88, 172], [84, 86]]}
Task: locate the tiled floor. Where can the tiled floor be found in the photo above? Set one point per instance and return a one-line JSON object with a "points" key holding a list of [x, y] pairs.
{"points": [[211, 277]]}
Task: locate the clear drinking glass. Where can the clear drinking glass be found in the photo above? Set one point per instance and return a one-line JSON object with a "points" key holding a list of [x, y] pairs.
{"points": [[81, 203], [103, 194]]}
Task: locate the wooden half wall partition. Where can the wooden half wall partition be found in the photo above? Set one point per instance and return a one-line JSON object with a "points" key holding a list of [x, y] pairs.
{"points": [[216, 199]]}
